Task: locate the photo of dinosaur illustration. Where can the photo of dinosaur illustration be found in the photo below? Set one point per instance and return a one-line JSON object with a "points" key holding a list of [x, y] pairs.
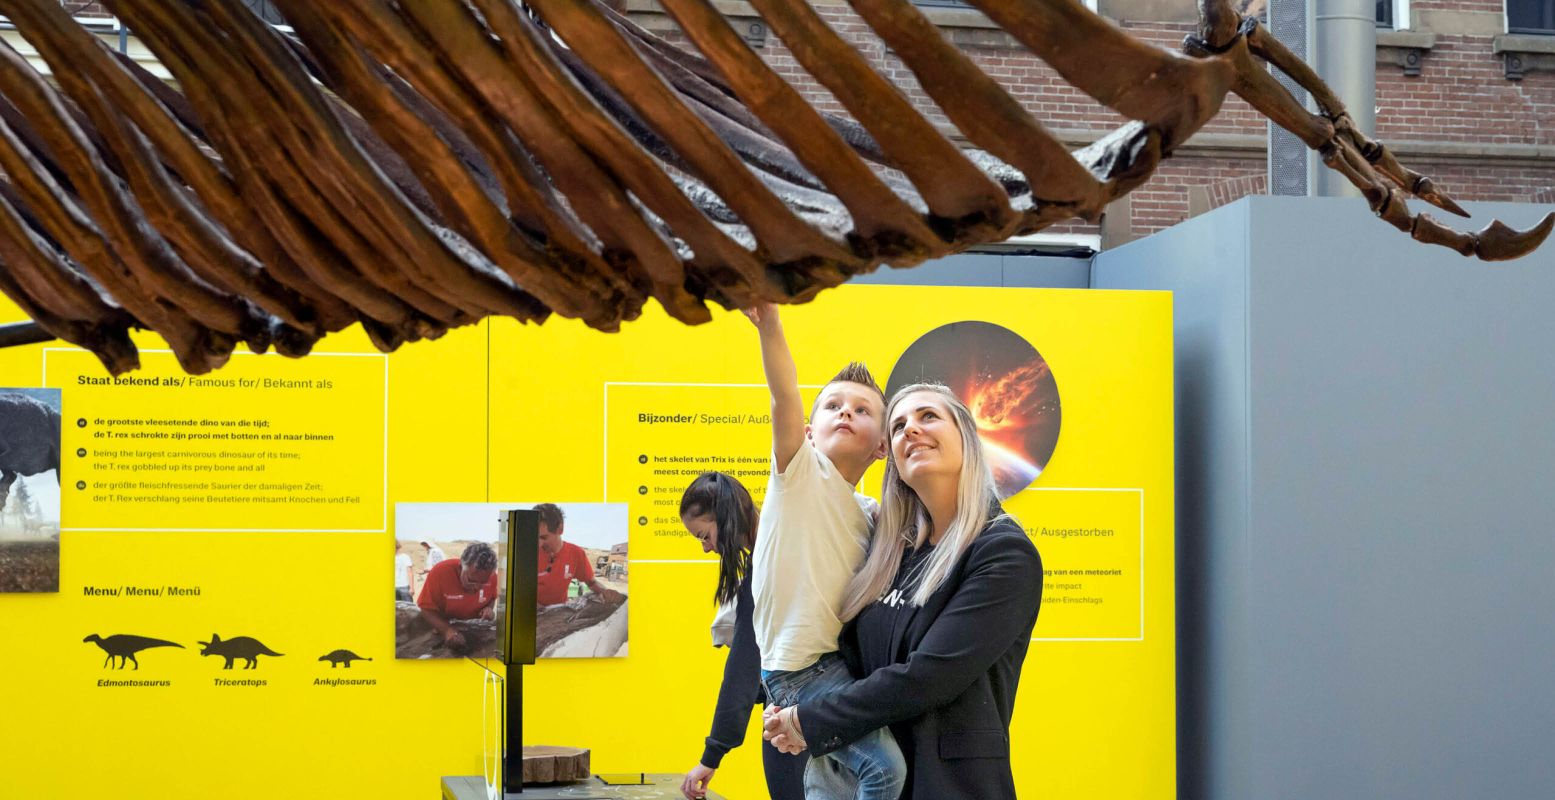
{"points": [[29, 490], [341, 657], [124, 646], [29, 440], [245, 647]]}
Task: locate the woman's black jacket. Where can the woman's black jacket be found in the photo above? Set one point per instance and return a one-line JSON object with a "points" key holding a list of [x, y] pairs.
{"points": [[950, 697]]}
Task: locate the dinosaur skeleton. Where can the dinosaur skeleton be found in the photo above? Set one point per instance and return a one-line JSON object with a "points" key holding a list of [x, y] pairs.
{"points": [[415, 165]]}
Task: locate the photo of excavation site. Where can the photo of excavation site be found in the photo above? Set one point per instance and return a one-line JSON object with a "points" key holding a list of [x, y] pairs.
{"points": [[449, 567], [1005, 383], [29, 490]]}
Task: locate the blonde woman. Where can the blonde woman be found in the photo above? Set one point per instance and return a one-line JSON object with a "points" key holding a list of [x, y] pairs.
{"points": [[939, 617]]}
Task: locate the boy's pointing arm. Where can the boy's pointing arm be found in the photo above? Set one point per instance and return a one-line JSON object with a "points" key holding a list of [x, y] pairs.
{"points": [[783, 382]]}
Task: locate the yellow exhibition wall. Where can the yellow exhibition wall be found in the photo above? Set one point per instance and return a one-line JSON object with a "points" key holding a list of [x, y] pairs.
{"points": [[277, 507]]}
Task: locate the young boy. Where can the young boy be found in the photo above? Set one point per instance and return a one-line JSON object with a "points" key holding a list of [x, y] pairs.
{"points": [[812, 537]]}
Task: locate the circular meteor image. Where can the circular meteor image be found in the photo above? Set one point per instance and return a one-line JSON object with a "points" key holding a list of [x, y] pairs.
{"points": [[1007, 385]]}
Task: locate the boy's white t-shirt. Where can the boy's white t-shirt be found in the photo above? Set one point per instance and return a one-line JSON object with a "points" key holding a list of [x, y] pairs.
{"points": [[813, 536]]}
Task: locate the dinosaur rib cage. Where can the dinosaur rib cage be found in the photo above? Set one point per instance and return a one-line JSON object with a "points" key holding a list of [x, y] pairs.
{"points": [[415, 165]]}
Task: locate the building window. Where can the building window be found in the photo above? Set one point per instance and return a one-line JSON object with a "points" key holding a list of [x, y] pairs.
{"points": [[1393, 14], [1091, 4], [1530, 16]]}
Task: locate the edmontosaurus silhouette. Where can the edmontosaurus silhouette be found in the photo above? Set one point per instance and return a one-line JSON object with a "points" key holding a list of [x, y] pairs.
{"points": [[245, 647], [338, 657], [124, 646]]}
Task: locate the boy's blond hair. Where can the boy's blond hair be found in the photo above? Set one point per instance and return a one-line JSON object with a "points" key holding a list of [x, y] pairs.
{"points": [[854, 372]]}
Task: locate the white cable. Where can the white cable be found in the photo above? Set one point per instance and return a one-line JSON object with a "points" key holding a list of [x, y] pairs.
{"points": [[492, 775]]}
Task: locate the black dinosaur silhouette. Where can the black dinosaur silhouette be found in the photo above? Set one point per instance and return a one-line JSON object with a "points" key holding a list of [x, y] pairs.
{"points": [[29, 440], [124, 646], [338, 657], [245, 647]]}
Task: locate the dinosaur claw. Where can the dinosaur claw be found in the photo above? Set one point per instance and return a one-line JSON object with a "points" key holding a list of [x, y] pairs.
{"points": [[1426, 190], [1501, 242], [1495, 242]]}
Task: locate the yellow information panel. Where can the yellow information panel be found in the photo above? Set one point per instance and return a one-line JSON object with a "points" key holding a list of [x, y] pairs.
{"points": [[633, 418], [1093, 548], [646, 440], [246, 519], [246, 448]]}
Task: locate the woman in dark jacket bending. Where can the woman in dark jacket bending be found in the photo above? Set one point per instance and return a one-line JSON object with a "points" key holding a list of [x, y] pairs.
{"points": [[940, 616], [718, 511]]}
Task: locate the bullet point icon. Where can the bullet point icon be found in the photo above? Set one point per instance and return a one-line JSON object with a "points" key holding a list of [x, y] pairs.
{"points": [[81, 423], [642, 459], [80, 452], [642, 490], [642, 521], [80, 484]]}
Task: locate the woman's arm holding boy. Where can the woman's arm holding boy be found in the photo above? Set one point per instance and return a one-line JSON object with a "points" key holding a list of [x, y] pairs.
{"points": [[989, 611]]}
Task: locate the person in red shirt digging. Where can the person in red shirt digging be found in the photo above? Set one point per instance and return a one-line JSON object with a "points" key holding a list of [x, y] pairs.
{"points": [[561, 562], [462, 589]]}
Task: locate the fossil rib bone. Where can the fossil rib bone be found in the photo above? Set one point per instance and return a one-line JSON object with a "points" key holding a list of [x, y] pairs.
{"points": [[416, 165]]}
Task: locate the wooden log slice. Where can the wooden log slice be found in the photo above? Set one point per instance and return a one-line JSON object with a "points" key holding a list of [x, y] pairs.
{"points": [[549, 764]]}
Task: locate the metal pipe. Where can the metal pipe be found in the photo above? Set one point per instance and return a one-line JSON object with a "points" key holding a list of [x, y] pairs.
{"points": [[1290, 160], [19, 333], [1345, 39]]}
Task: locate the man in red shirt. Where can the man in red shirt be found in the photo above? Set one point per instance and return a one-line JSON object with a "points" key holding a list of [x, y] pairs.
{"points": [[561, 562], [462, 589]]}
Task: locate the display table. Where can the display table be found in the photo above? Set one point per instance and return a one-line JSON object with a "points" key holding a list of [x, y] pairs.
{"points": [[634, 786]]}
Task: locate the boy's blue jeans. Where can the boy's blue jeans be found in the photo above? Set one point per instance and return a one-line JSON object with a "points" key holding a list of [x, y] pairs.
{"points": [[870, 768]]}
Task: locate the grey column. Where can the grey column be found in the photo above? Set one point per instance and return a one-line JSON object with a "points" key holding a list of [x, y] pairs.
{"points": [[1346, 58]]}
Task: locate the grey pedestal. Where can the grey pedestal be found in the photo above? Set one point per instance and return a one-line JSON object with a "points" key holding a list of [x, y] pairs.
{"points": [[654, 786], [1365, 445]]}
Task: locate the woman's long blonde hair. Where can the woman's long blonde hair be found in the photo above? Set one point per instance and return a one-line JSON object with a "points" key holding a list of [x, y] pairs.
{"points": [[904, 520]]}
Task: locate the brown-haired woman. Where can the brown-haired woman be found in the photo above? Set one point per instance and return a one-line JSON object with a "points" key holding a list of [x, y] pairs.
{"points": [[718, 511]]}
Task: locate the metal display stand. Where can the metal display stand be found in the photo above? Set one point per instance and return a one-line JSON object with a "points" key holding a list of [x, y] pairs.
{"points": [[636, 786], [522, 531]]}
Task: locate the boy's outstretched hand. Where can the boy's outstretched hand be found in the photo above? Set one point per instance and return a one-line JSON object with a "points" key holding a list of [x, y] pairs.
{"points": [[777, 362], [766, 312]]}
